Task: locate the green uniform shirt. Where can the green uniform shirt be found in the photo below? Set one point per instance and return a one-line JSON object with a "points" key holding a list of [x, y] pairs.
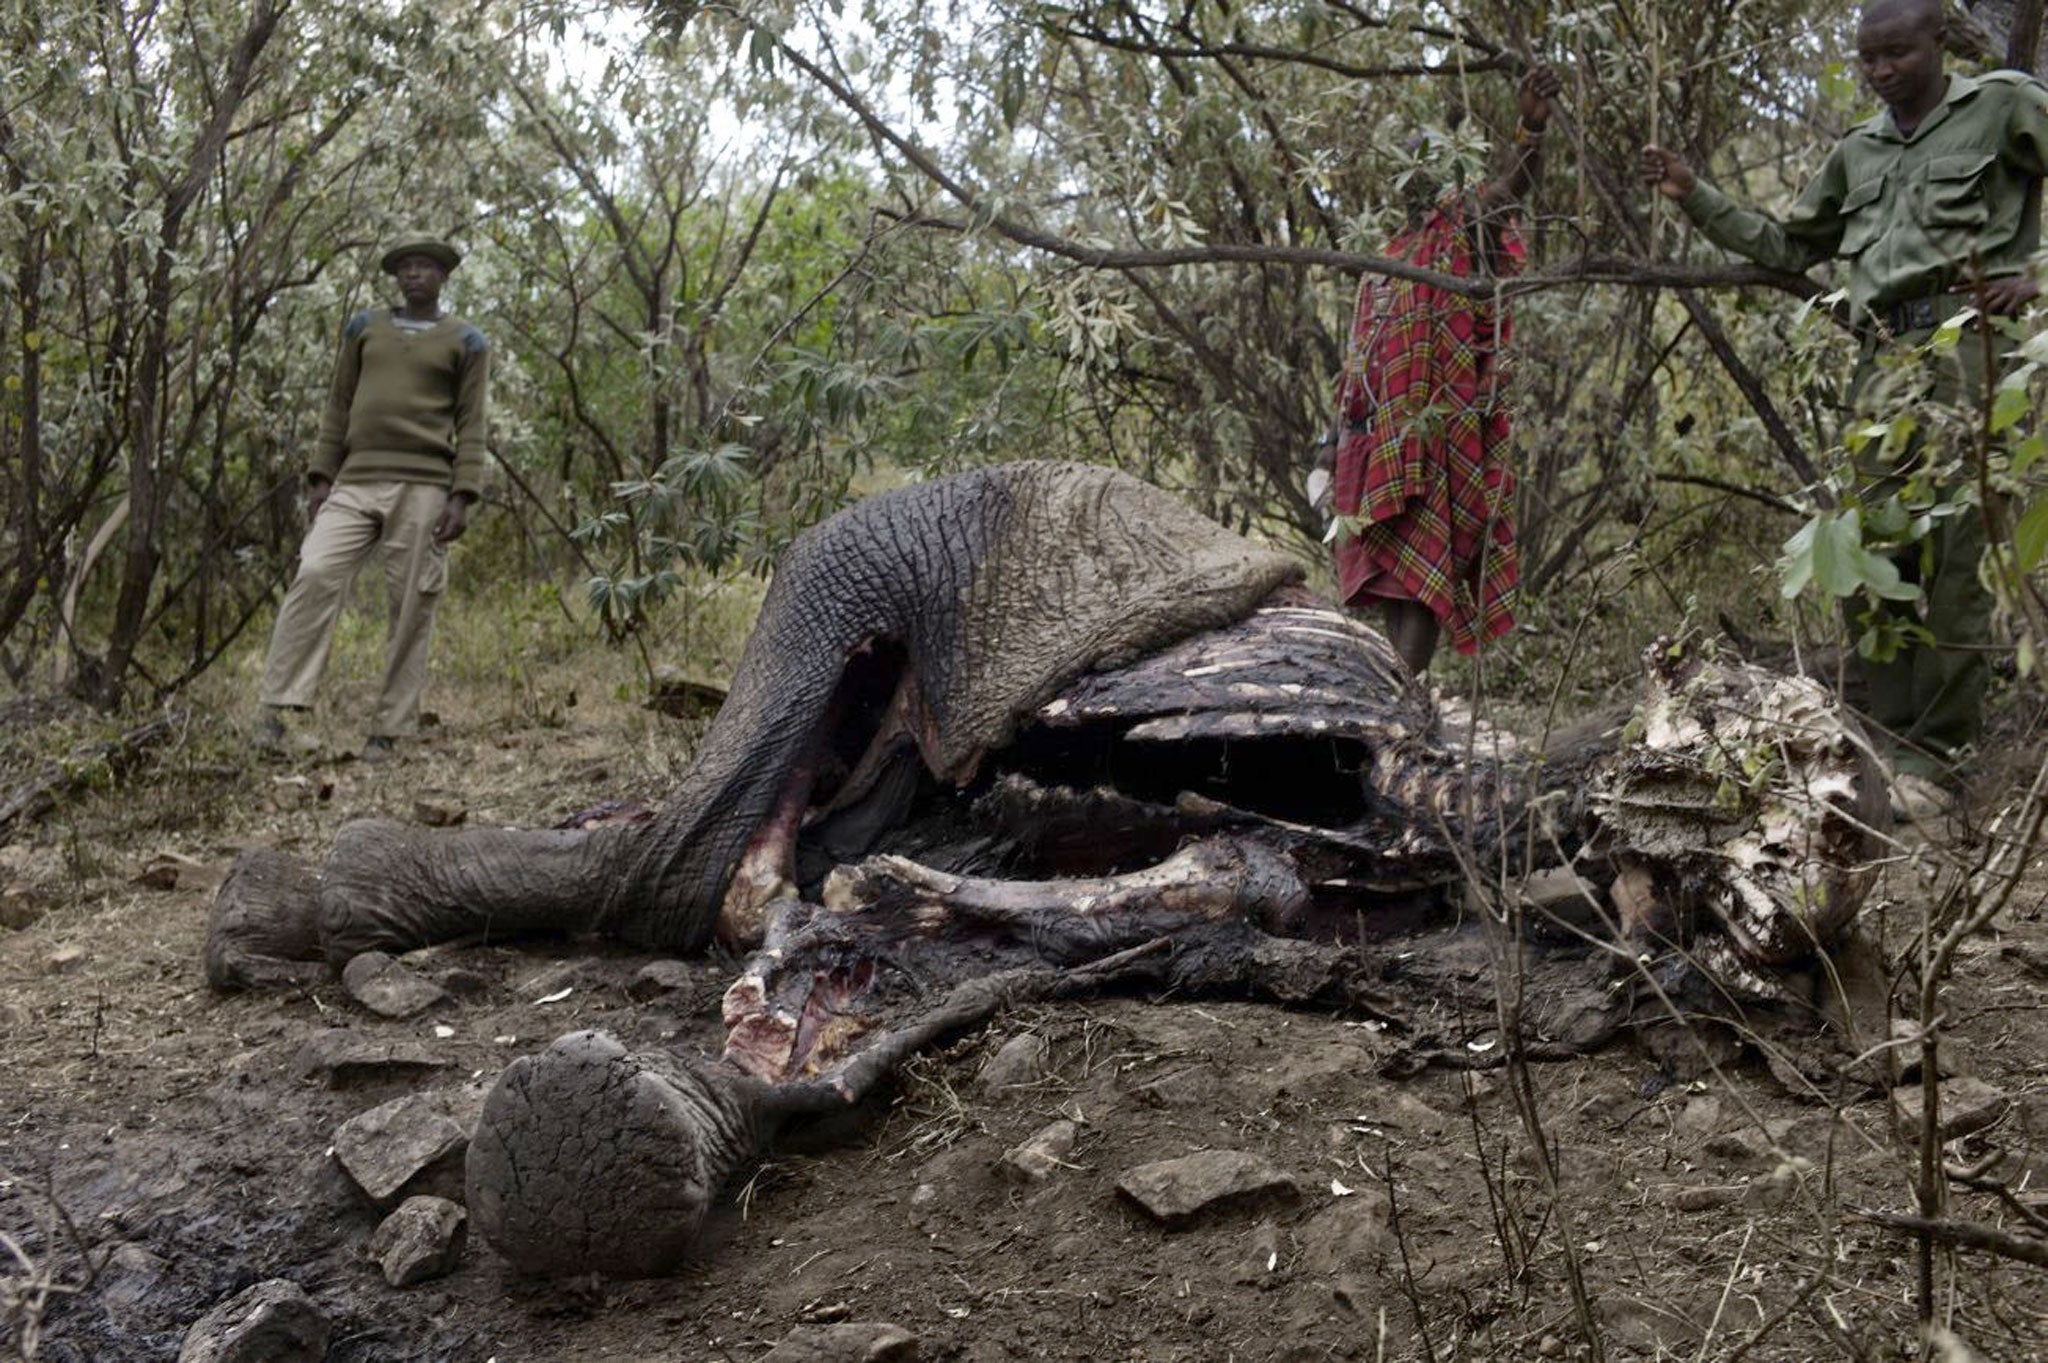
{"points": [[1910, 214], [407, 404]]}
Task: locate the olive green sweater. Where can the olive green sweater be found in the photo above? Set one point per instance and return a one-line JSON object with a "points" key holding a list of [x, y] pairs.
{"points": [[407, 405]]}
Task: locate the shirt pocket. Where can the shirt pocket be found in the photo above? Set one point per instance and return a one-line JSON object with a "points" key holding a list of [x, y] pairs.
{"points": [[1952, 196], [1862, 216]]}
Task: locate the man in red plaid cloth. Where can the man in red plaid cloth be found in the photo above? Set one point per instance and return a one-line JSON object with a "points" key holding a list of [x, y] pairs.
{"points": [[1424, 492]]}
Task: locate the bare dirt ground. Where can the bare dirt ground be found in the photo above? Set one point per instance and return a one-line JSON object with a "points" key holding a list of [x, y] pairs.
{"points": [[162, 1147]]}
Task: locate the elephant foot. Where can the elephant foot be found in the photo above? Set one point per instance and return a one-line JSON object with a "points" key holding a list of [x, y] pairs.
{"points": [[590, 1158], [265, 929]]}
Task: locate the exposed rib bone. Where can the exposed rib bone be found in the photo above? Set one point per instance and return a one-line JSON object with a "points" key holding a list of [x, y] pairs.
{"points": [[1213, 879]]}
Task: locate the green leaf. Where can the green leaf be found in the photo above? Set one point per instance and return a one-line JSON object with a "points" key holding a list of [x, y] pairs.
{"points": [[1837, 541], [1881, 576], [2028, 453], [1796, 566], [2030, 536], [2009, 406]]}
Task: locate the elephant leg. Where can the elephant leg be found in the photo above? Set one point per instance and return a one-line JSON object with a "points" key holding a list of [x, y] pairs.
{"points": [[388, 886], [265, 928], [590, 1158]]}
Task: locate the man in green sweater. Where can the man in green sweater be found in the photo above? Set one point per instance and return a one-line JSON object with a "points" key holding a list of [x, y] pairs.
{"points": [[397, 465], [1933, 203]]}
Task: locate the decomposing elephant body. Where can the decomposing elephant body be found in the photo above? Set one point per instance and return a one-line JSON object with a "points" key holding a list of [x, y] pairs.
{"points": [[1036, 730]]}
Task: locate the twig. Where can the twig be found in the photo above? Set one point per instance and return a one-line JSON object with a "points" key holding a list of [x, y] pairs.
{"points": [[39, 794], [1408, 1288], [1961, 1235]]}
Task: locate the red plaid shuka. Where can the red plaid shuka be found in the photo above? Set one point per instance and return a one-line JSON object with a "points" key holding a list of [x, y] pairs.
{"points": [[1422, 478]]}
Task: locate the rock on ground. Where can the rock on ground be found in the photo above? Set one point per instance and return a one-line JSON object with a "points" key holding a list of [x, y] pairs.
{"points": [[864, 1342], [1044, 1154], [272, 1322], [389, 989], [423, 1239], [343, 1057], [1020, 1060], [1179, 1191], [391, 1145], [1967, 1105]]}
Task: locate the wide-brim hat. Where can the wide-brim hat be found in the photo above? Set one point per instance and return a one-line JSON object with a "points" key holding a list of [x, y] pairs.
{"points": [[420, 244]]}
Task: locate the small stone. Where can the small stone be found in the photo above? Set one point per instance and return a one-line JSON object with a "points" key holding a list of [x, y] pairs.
{"points": [[1967, 1105], [1698, 1198], [1777, 1188], [681, 696], [20, 907], [343, 1058], [127, 1284], [439, 809], [1697, 1120], [657, 978], [393, 1144], [158, 875], [1178, 1191], [272, 1322], [387, 988], [1560, 892], [462, 982], [1043, 1155], [423, 1239], [66, 959], [1018, 1062], [1951, 1055], [861, 1342]]}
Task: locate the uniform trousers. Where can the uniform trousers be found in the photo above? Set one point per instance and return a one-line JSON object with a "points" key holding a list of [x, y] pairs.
{"points": [[356, 520]]}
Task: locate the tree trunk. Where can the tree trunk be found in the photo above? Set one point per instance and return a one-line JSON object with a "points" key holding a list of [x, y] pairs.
{"points": [[146, 475], [2023, 43]]}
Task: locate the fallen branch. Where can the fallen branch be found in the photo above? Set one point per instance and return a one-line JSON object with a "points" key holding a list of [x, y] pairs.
{"points": [[40, 793], [1962, 1235]]}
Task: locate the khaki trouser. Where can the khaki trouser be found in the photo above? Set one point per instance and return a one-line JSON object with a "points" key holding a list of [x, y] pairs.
{"points": [[355, 519]]}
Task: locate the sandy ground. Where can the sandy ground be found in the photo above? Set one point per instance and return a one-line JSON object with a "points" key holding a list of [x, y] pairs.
{"points": [[162, 1147]]}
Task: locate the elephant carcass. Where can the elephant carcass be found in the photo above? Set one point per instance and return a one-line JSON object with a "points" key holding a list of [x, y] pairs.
{"points": [[1024, 690], [933, 616], [1049, 669], [1737, 797]]}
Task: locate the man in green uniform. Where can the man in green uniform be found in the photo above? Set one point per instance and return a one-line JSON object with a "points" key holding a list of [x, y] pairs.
{"points": [[398, 462], [1933, 205]]}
